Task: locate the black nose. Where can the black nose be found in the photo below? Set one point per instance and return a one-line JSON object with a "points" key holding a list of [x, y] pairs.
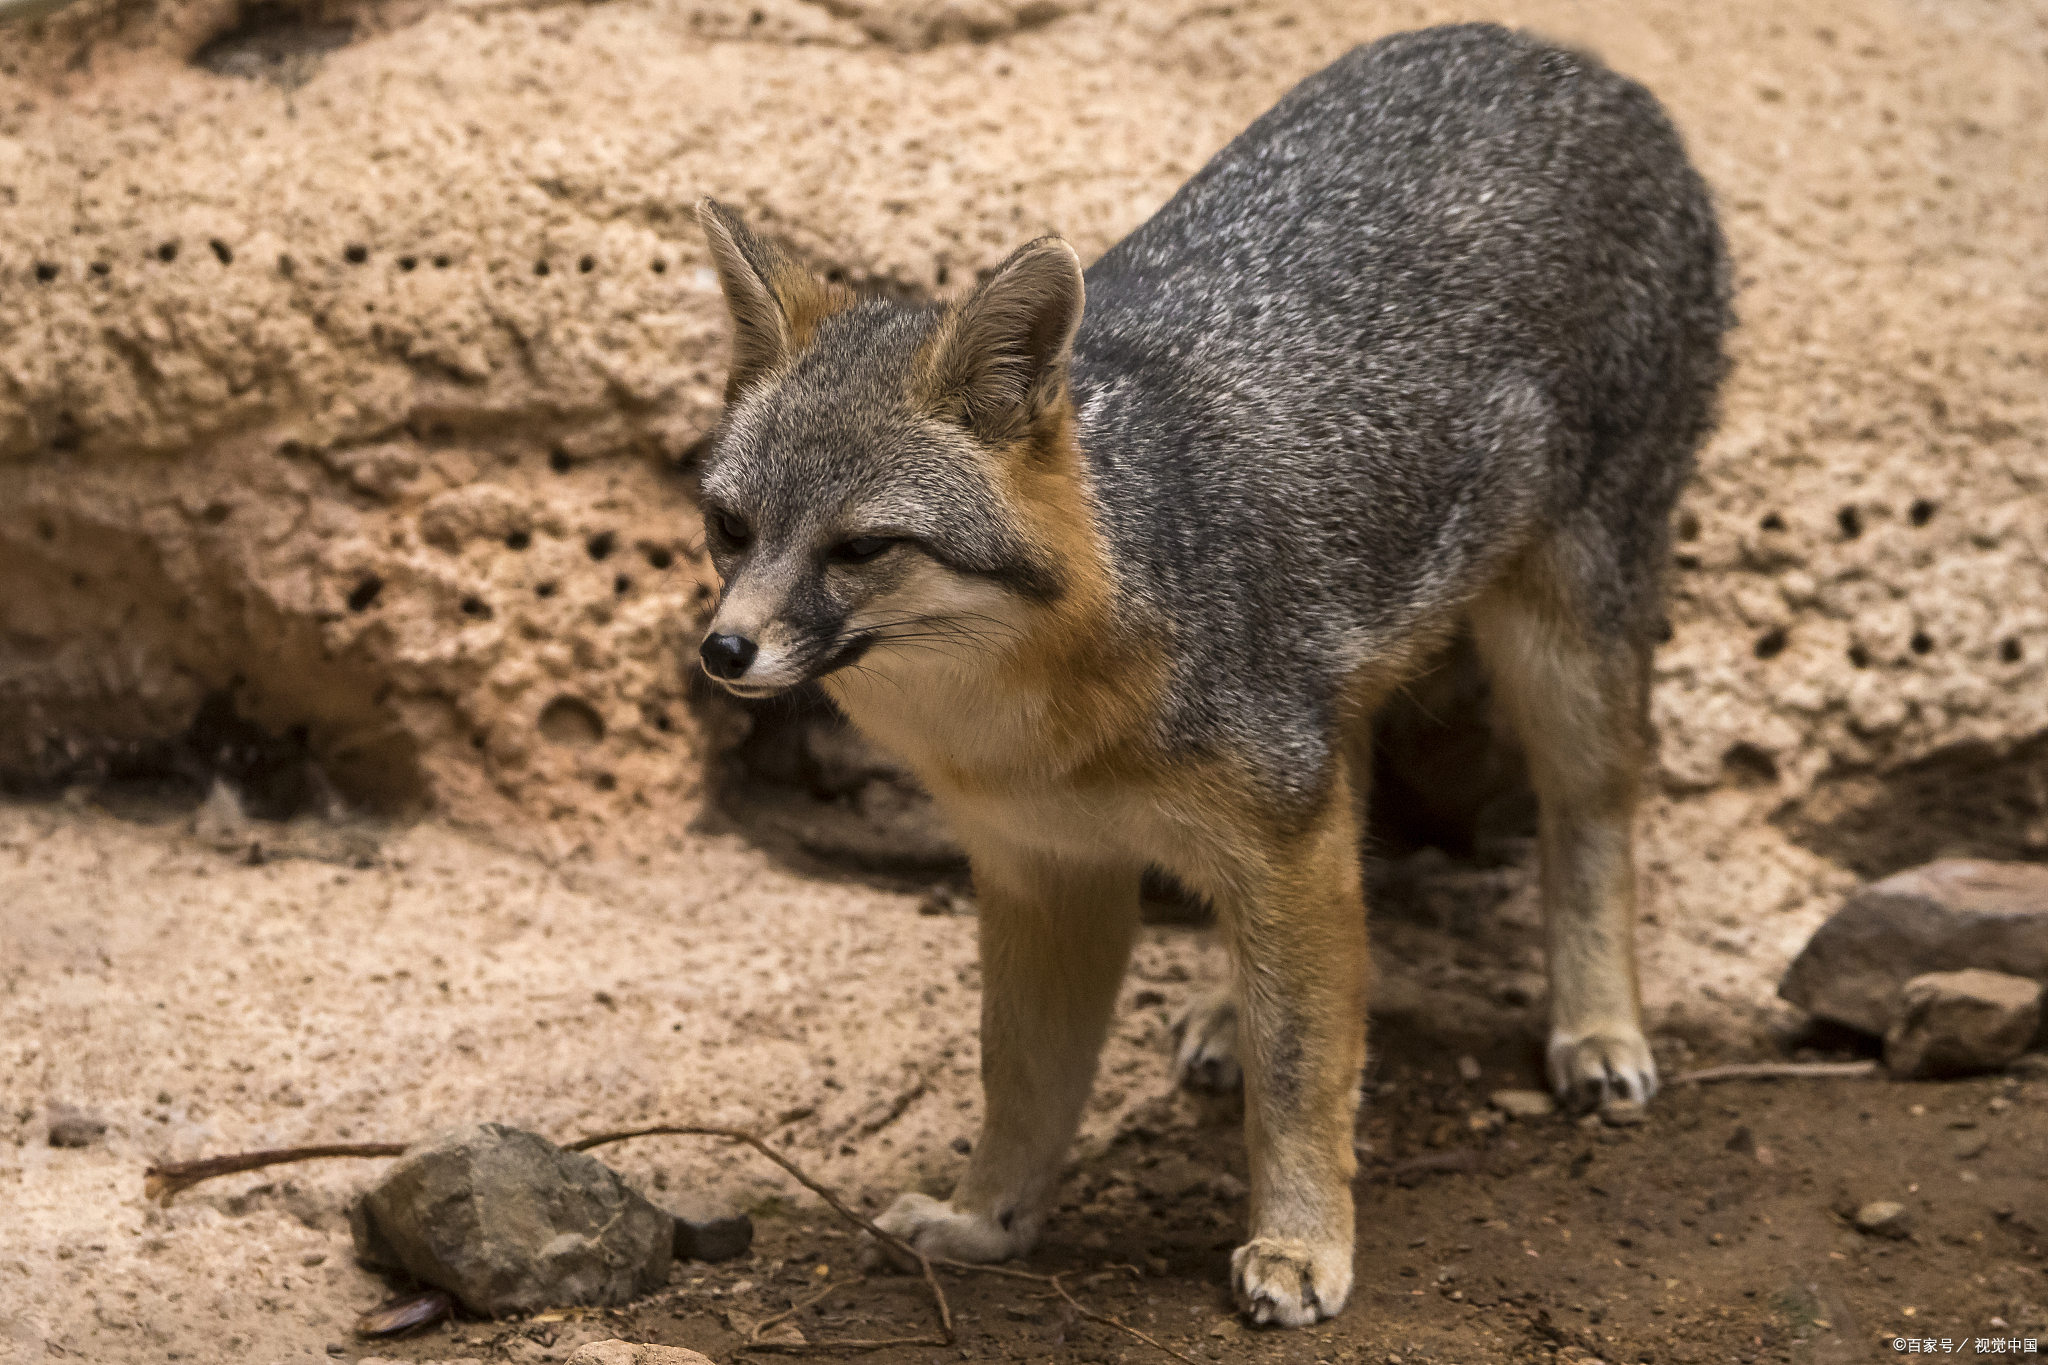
{"points": [[727, 656]]}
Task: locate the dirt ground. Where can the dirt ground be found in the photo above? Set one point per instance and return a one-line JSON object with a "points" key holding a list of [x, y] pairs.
{"points": [[395, 981]]}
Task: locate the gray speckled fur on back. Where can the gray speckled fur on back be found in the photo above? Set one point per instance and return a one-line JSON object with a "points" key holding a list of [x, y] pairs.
{"points": [[1456, 287]]}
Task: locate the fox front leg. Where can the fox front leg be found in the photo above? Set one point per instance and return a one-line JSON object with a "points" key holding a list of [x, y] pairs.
{"points": [[1054, 941], [1301, 975]]}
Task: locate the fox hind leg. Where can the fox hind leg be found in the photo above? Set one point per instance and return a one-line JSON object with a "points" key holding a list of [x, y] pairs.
{"points": [[1576, 695]]}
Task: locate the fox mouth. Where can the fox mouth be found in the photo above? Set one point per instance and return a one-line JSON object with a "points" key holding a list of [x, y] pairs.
{"points": [[845, 656]]}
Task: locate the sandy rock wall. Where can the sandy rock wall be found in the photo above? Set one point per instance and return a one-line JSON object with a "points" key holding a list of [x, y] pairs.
{"points": [[396, 284]]}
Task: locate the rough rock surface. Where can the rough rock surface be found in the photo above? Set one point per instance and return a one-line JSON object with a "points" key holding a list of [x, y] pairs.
{"points": [[635, 1353], [300, 322], [508, 1222], [1944, 917], [1957, 1023]]}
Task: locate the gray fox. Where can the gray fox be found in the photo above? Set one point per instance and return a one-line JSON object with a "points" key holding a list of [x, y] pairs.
{"points": [[1429, 347]]}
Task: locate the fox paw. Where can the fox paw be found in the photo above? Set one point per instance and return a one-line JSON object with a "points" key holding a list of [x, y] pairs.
{"points": [[938, 1229], [1281, 1280], [1205, 1037], [1597, 1067]]}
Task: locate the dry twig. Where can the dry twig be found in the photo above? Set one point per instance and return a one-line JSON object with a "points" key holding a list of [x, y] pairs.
{"points": [[162, 1182]]}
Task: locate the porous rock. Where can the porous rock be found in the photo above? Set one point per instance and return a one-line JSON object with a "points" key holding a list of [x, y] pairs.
{"points": [[508, 1222], [1956, 1023], [1946, 916], [616, 1352]]}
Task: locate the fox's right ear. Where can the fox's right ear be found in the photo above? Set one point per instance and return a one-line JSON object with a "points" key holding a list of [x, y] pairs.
{"points": [[776, 304]]}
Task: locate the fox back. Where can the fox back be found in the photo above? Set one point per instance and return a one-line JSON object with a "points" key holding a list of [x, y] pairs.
{"points": [[1456, 291]]}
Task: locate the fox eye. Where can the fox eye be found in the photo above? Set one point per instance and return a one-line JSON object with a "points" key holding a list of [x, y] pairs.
{"points": [[860, 549], [729, 527]]}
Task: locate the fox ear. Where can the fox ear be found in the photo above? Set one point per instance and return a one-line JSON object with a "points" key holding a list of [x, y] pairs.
{"points": [[776, 305], [1000, 359]]}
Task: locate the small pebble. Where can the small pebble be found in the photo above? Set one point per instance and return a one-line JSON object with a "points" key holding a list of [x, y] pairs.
{"points": [[1468, 1068], [1523, 1104], [1884, 1218], [1622, 1114]]}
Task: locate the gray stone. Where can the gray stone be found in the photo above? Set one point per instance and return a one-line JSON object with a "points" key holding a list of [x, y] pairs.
{"points": [[1947, 916], [713, 1239], [1957, 1023], [71, 1126], [1523, 1104], [508, 1222], [1883, 1218]]}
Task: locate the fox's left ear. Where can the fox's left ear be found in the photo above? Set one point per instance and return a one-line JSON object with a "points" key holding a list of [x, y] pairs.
{"points": [[1000, 359], [776, 304]]}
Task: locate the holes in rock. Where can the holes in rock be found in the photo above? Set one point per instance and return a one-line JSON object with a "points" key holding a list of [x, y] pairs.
{"points": [[605, 782], [543, 590], [601, 545], [441, 263], [1771, 643], [659, 558], [222, 252], [540, 267], [622, 585], [1921, 512], [408, 263], [100, 267], [1859, 657], [572, 723], [45, 272], [477, 607], [355, 253], [1688, 523], [1922, 642], [167, 253], [660, 267], [1967, 801], [1750, 766], [518, 540], [1851, 522], [216, 513], [586, 264], [2009, 650], [1685, 561], [559, 461], [1771, 522], [274, 774], [364, 595], [1664, 630], [274, 40]]}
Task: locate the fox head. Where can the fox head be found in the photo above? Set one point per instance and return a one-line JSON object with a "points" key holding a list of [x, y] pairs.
{"points": [[876, 495]]}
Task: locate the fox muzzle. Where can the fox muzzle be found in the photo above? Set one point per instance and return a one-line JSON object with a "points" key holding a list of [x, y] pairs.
{"points": [[727, 657]]}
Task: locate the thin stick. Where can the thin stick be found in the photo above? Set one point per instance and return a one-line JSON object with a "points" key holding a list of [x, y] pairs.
{"points": [[765, 1323], [162, 1182], [924, 1262], [1749, 1071]]}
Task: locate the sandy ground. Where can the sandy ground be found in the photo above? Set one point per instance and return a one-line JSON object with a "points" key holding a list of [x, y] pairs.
{"points": [[201, 1004]]}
